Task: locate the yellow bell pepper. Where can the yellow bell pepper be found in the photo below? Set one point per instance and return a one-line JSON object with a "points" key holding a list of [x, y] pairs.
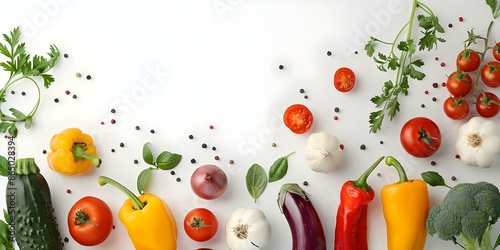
{"points": [[148, 219], [72, 152], [405, 206]]}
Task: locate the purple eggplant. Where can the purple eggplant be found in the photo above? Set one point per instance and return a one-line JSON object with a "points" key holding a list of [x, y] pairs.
{"points": [[305, 224]]}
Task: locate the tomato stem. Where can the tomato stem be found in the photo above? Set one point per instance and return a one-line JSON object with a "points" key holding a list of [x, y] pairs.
{"points": [[82, 218], [196, 223]]}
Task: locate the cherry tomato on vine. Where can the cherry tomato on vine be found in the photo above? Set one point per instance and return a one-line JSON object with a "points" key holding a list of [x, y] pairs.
{"points": [[459, 84], [298, 118], [490, 74], [496, 51], [487, 105], [200, 224], [90, 221], [420, 137], [344, 79], [468, 60], [456, 108]]}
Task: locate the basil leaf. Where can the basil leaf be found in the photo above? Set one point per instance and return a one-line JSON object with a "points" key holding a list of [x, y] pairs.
{"points": [[279, 168], [143, 180], [147, 155], [167, 160], [433, 179], [256, 180], [4, 166]]}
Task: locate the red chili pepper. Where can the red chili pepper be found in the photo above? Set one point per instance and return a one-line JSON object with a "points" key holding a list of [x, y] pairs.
{"points": [[351, 225]]}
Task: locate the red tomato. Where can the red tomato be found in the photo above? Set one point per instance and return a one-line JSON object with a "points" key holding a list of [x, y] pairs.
{"points": [[344, 79], [490, 74], [496, 51], [456, 108], [420, 137], [487, 104], [459, 84], [468, 60], [298, 118], [200, 224], [90, 221]]}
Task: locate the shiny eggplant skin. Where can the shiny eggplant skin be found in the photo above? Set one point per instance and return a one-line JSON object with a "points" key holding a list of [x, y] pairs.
{"points": [[305, 224]]}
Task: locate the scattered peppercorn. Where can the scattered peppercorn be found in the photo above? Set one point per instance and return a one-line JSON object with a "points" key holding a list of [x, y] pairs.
{"points": [[443, 84], [306, 97], [112, 150], [457, 156], [434, 99], [56, 100], [178, 179], [426, 92], [89, 77], [305, 183], [216, 158], [67, 92], [193, 161], [442, 64], [231, 162], [381, 142], [12, 92], [78, 75], [172, 172], [44, 151], [66, 239], [65, 55], [422, 105], [152, 131], [378, 174], [137, 128], [102, 123], [356, 52], [341, 146], [450, 25], [23, 93], [136, 161], [122, 145], [281, 67], [191, 137], [214, 148], [362, 147], [113, 111], [460, 19], [335, 118], [273, 144], [453, 178], [336, 109], [301, 91], [204, 145], [68, 191], [328, 53], [113, 121], [436, 58], [211, 127], [435, 85], [433, 163], [75, 96], [114, 227]]}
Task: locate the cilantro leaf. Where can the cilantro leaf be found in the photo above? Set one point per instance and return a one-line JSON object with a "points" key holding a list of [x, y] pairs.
{"points": [[415, 74], [376, 119], [369, 47]]}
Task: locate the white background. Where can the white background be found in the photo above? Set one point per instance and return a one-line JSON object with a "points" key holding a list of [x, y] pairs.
{"points": [[180, 66]]}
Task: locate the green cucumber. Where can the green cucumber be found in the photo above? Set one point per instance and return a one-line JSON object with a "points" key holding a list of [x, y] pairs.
{"points": [[30, 208]]}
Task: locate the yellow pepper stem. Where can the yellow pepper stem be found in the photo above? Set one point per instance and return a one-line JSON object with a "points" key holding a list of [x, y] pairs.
{"points": [[136, 202], [80, 153], [391, 161]]}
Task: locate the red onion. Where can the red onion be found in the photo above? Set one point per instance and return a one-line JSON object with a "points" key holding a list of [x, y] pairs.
{"points": [[209, 182]]}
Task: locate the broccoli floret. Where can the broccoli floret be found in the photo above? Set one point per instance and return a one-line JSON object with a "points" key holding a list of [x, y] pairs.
{"points": [[466, 214]]}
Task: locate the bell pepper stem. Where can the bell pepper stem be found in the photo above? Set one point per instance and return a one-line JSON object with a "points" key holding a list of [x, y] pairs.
{"points": [[80, 154], [136, 202], [391, 161], [361, 181]]}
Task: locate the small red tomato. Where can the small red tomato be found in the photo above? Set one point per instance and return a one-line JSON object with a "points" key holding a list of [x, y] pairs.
{"points": [[459, 84], [200, 224], [490, 74], [90, 221], [298, 118], [496, 51], [468, 60], [487, 105], [420, 137], [344, 79], [456, 108]]}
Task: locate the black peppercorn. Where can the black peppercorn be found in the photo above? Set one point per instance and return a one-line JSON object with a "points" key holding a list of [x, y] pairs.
{"points": [[328, 53], [305, 183], [281, 67], [193, 161], [191, 137], [204, 145], [136, 161], [89, 77]]}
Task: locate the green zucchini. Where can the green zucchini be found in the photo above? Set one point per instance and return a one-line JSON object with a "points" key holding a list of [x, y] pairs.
{"points": [[30, 207]]}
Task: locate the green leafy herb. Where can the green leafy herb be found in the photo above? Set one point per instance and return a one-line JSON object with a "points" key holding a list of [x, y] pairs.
{"points": [[434, 179], [22, 66], [279, 168], [256, 180], [4, 166], [400, 59], [164, 161], [495, 9], [5, 234], [143, 180]]}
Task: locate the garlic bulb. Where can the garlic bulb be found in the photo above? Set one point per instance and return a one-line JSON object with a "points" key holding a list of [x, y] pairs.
{"points": [[478, 142], [323, 152], [247, 229]]}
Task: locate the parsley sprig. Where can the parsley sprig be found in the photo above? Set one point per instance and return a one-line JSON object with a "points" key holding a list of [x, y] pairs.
{"points": [[495, 9], [400, 59], [23, 66]]}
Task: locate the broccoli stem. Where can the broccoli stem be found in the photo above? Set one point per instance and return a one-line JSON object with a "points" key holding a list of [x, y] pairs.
{"points": [[474, 244]]}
